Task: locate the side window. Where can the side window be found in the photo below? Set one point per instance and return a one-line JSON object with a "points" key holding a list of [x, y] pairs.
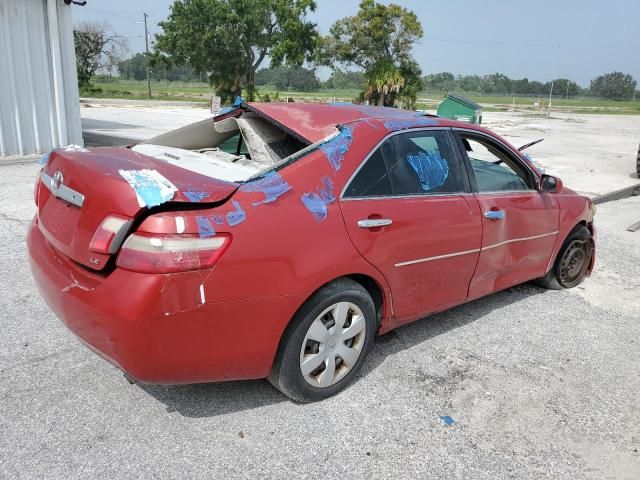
{"points": [[425, 163], [413, 163], [373, 179], [494, 169]]}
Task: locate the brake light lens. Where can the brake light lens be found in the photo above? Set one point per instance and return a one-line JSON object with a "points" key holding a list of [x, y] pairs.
{"points": [[109, 235], [153, 253]]}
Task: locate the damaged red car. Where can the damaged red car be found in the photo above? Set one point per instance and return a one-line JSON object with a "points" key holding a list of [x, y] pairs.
{"points": [[277, 240]]}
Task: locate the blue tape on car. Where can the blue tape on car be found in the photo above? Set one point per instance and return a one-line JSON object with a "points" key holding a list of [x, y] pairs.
{"points": [[151, 187], [325, 191], [402, 123], [272, 185], [195, 196], [315, 205], [44, 159], [236, 216], [205, 228], [336, 148], [218, 219], [431, 168], [447, 420]]}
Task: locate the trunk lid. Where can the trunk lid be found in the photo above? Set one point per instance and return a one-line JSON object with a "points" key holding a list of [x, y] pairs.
{"points": [[79, 188]]}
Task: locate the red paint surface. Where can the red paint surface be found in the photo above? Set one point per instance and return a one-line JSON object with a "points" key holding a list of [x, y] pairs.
{"points": [[226, 322]]}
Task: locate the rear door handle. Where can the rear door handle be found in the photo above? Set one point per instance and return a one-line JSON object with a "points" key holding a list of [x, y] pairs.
{"points": [[494, 214], [374, 222]]}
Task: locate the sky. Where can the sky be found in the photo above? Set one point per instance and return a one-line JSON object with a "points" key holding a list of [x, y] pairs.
{"points": [[540, 40]]}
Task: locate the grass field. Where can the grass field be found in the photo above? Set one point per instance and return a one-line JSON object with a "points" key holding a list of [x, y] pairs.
{"points": [[201, 92]]}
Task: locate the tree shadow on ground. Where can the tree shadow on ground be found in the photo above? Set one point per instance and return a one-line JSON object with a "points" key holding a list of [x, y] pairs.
{"points": [[213, 399]]}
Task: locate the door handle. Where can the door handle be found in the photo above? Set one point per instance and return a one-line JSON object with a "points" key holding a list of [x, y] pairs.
{"points": [[494, 214], [374, 222]]}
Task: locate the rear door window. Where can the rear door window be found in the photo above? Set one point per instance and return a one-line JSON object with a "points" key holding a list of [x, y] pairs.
{"points": [[423, 162], [426, 163]]}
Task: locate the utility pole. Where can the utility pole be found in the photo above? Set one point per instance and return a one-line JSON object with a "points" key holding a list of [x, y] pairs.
{"points": [[146, 42], [550, 94]]}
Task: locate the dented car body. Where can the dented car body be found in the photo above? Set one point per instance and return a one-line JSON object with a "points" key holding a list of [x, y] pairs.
{"points": [[191, 257]]}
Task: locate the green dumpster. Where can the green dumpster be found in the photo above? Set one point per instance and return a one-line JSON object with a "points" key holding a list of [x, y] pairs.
{"points": [[457, 107]]}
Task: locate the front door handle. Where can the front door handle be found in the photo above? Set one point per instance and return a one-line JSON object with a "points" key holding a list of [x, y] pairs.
{"points": [[494, 214], [374, 222]]}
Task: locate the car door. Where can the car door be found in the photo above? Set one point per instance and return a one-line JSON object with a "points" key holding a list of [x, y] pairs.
{"points": [[519, 223], [410, 212]]}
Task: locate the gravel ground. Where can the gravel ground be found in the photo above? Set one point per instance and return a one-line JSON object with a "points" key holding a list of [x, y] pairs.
{"points": [[540, 384]]}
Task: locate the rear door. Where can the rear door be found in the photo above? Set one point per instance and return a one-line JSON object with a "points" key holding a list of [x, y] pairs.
{"points": [[520, 224], [409, 211]]}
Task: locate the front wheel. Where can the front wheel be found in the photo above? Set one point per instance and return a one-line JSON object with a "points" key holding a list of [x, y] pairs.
{"points": [[326, 342], [572, 262]]}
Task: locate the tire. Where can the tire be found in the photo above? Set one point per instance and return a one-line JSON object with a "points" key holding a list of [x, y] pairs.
{"points": [[638, 162], [570, 267], [319, 371]]}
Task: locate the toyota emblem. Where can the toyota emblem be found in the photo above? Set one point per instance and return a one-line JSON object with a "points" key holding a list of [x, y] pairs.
{"points": [[56, 180]]}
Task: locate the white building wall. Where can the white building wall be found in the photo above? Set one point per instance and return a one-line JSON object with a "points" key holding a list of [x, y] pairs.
{"points": [[39, 105]]}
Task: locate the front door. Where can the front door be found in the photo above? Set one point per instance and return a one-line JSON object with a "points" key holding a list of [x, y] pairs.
{"points": [[519, 223], [410, 213]]}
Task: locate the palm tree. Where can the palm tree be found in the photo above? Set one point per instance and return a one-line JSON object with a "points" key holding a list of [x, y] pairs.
{"points": [[383, 80]]}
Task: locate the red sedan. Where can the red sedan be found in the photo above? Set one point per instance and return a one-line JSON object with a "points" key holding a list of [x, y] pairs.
{"points": [[279, 239]]}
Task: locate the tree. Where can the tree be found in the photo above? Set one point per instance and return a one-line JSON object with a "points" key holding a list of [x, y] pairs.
{"points": [[97, 48], [285, 78], [134, 68], [379, 40], [615, 85], [440, 82], [345, 79], [229, 39]]}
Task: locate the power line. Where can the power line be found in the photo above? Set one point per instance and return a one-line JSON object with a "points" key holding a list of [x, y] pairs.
{"points": [[531, 44]]}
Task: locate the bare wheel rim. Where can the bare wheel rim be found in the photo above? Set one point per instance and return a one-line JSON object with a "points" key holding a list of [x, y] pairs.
{"points": [[333, 344], [574, 263]]}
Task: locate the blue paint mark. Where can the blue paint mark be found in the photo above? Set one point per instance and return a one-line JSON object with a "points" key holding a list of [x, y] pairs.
{"points": [[315, 205], [237, 101], [402, 123], [236, 216], [218, 219], [150, 186], [196, 196], [431, 168], [336, 148], [374, 111], [205, 229], [447, 420], [44, 159], [325, 191], [272, 185]]}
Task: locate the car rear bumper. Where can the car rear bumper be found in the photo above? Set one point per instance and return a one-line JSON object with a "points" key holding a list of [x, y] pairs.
{"points": [[154, 327]]}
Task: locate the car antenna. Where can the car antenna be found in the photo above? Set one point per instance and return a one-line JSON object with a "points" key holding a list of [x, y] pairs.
{"points": [[530, 144]]}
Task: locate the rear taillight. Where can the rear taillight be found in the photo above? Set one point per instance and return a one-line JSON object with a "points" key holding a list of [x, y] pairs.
{"points": [[110, 234], [154, 253]]}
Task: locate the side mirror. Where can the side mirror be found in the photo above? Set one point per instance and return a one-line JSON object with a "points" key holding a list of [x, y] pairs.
{"points": [[550, 183]]}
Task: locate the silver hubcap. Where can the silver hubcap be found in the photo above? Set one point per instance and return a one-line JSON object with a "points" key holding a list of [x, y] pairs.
{"points": [[333, 344]]}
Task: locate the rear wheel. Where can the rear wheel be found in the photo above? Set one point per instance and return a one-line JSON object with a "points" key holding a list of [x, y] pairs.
{"points": [[572, 262], [638, 162], [326, 343]]}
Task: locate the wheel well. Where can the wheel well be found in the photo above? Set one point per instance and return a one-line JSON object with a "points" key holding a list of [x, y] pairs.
{"points": [[371, 286]]}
